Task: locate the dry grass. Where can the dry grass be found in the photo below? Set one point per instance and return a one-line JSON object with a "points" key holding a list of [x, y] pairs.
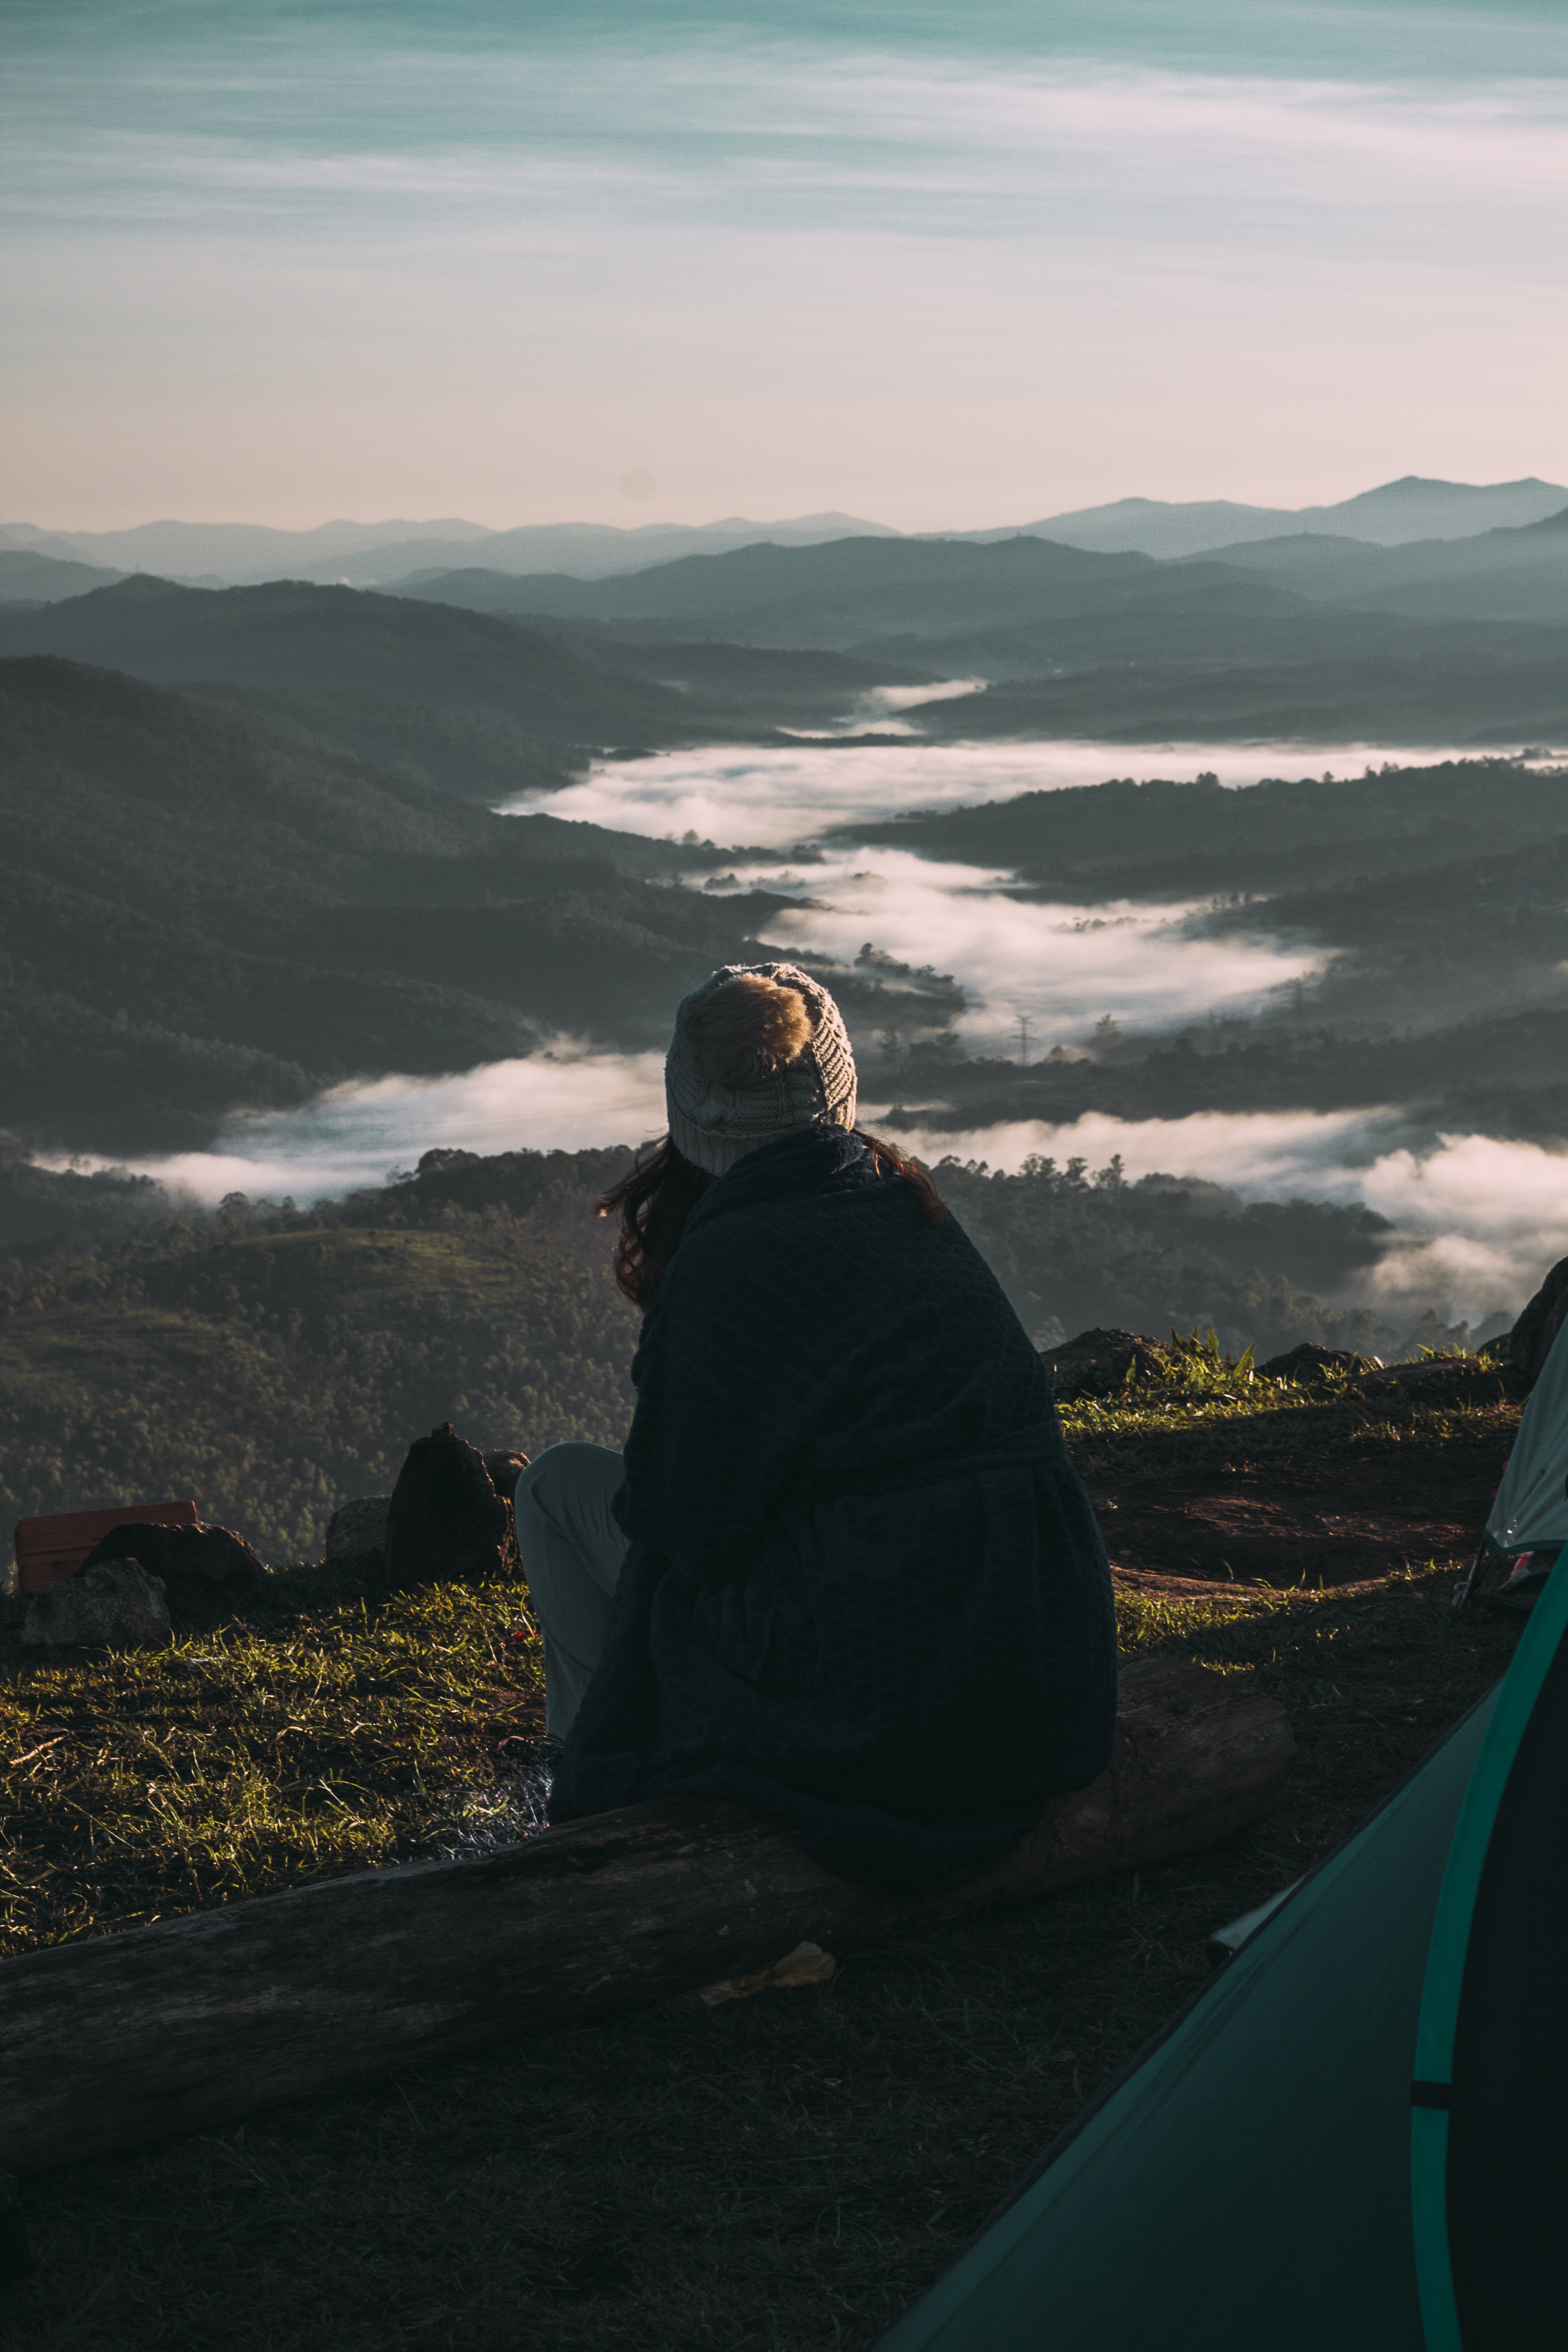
{"points": [[329, 1732], [778, 2175]]}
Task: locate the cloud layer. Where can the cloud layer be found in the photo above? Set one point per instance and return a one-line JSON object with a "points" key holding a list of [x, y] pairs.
{"points": [[358, 1134], [769, 798], [1061, 967], [1478, 1221]]}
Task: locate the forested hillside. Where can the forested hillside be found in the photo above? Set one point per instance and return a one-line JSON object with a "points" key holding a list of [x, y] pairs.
{"points": [[1438, 894], [1392, 681], [270, 1362], [347, 641], [1315, 637], [196, 916]]}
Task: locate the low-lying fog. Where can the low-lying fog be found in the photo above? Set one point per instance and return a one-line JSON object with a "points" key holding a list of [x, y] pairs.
{"points": [[1478, 1218], [1064, 967], [771, 798]]}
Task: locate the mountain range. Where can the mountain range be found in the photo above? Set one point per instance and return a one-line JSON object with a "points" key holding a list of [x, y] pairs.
{"points": [[485, 683], [1254, 596], [351, 554], [376, 554]]}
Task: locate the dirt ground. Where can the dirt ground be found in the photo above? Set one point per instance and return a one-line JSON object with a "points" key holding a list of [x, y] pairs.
{"points": [[1312, 1522]]}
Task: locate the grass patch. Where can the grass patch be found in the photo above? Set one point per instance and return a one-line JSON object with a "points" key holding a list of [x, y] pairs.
{"points": [[780, 2175], [1206, 1414], [332, 1732]]}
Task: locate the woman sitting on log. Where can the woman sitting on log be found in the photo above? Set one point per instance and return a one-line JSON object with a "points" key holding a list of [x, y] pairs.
{"points": [[844, 1572]]}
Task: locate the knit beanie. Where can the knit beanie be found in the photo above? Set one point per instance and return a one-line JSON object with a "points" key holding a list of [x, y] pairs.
{"points": [[759, 1051]]}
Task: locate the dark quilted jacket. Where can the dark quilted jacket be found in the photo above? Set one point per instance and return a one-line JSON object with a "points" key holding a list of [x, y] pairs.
{"points": [[865, 1591]]}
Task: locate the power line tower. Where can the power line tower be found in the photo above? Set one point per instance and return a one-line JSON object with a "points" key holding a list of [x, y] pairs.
{"points": [[1022, 1041]]}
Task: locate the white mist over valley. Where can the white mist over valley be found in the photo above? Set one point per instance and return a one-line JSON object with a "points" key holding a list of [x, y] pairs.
{"points": [[1474, 1215]]}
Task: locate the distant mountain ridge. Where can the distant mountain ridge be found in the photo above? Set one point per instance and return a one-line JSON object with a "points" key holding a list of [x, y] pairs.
{"points": [[183, 547], [378, 554], [1410, 508], [492, 686], [1510, 574], [29, 578], [369, 555]]}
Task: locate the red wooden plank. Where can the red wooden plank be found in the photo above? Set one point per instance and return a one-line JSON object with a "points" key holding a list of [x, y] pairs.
{"points": [[56, 1544]]}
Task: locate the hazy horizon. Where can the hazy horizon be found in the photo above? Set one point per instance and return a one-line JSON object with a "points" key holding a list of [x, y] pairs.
{"points": [[429, 525]]}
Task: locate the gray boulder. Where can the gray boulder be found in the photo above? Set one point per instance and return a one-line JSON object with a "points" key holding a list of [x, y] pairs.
{"points": [[116, 1601], [358, 1527]]}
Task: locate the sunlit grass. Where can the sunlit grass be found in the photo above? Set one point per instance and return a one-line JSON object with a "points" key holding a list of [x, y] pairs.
{"points": [[349, 1733], [1207, 1411]]}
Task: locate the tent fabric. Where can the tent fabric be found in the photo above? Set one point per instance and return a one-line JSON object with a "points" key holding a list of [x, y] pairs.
{"points": [[1530, 1511], [1487, 2166], [1249, 2183], [1355, 2135]]}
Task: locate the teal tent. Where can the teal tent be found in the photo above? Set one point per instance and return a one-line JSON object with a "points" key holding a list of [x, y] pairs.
{"points": [[1530, 1509], [1527, 1523], [1356, 2138]]}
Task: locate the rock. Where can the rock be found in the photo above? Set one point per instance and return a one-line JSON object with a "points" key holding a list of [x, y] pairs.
{"points": [[1306, 1361], [1097, 1362], [357, 1528], [1530, 1341], [1440, 1380], [505, 1468], [199, 1565], [445, 1519], [115, 1601]]}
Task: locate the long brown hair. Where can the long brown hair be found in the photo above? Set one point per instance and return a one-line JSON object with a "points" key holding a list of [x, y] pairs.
{"points": [[661, 1188]]}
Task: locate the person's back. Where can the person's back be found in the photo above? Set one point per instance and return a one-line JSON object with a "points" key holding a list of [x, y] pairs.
{"points": [[864, 1587]]}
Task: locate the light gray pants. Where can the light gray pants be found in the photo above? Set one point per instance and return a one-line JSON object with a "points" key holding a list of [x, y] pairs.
{"points": [[571, 1549]]}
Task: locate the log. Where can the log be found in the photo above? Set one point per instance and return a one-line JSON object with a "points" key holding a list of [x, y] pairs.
{"points": [[114, 2041]]}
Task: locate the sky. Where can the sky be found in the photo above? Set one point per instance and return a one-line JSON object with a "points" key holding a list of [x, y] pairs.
{"points": [[943, 266]]}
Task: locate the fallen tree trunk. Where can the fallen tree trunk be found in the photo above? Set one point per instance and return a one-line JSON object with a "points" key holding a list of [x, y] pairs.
{"points": [[118, 2040]]}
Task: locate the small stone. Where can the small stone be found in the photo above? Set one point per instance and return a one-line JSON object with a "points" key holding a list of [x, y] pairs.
{"points": [[115, 1601], [357, 1528]]}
